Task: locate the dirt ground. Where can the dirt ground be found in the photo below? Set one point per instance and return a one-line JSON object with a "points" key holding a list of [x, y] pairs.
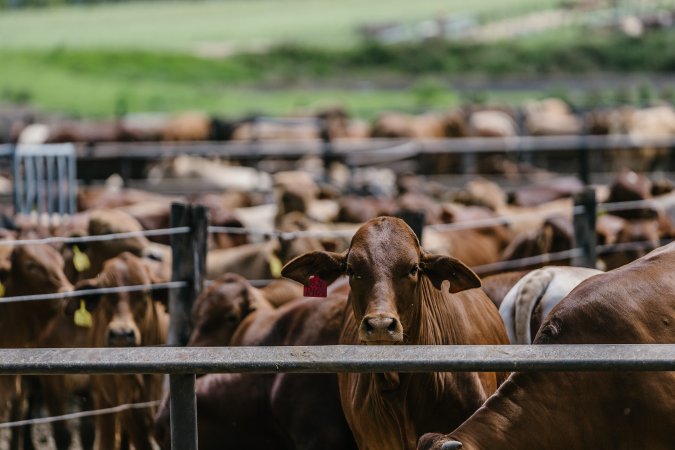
{"points": [[42, 437]]}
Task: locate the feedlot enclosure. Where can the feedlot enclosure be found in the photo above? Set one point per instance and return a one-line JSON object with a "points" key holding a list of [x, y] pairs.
{"points": [[189, 231], [184, 363]]}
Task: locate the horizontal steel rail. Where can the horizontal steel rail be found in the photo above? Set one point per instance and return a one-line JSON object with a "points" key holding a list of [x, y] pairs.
{"points": [[95, 237], [368, 147], [339, 358]]}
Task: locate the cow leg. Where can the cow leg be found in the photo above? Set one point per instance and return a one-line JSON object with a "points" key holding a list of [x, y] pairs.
{"points": [[106, 432], [138, 425], [124, 441], [33, 392], [17, 412], [55, 394], [87, 424]]}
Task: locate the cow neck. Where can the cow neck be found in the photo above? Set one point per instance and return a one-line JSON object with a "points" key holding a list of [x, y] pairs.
{"points": [[152, 331], [34, 316], [435, 319]]}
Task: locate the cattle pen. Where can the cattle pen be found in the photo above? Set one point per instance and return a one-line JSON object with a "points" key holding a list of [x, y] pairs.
{"points": [[189, 230]]}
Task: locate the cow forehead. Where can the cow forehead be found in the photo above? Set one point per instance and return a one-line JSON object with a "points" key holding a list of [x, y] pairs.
{"points": [[44, 255], [384, 240], [123, 272]]}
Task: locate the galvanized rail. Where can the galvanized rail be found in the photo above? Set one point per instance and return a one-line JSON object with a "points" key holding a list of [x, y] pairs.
{"points": [[368, 147], [339, 358]]}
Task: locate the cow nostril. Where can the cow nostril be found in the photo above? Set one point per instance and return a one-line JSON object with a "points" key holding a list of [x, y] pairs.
{"points": [[369, 327], [451, 445], [392, 326]]}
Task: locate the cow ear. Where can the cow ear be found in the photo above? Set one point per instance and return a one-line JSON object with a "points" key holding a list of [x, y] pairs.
{"points": [[326, 265], [159, 295], [439, 268], [90, 301]]}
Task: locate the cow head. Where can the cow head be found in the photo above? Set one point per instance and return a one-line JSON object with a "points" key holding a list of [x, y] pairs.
{"points": [[111, 221], [119, 314], [387, 272], [35, 269], [219, 310]]}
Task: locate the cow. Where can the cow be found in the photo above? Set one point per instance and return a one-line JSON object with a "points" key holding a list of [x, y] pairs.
{"points": [[274, 411], [59, 390], [530, 300], [634, 304], [556, 234], [220, 308], [109, 221], [496, 286], [400, 294], [30, 270], [472, 246], [123, 320]]}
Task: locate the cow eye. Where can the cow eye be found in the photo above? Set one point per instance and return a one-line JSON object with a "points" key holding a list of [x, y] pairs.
{"points": [[351, 274], [231, 319], [413, 271]]}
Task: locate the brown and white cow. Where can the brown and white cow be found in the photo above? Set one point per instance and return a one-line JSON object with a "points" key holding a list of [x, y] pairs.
{"points": [[634, 304], [124, 320], [530, 300], [401, 294]]}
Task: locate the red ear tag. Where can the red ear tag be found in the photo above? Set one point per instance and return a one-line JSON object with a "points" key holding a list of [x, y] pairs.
{"points": [[317, 287]]}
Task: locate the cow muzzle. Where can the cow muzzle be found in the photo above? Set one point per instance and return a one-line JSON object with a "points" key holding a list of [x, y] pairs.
{"points": [[436, 441], [381, 329], [122, 337]]}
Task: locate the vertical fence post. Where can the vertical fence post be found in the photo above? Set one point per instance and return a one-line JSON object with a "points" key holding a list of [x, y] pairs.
{"points": [[584, 228], [327, 154], [583, 154], [189, 265], [183, 412], [414, 219]]}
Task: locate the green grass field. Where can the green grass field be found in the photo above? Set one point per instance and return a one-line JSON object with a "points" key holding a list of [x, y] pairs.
{"points": [[235, 24], [88, 61]]}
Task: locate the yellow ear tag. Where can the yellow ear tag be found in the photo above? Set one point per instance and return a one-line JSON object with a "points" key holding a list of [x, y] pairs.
{"points": [[80, 259], [275, 266], [2, 290], [82, 316]]}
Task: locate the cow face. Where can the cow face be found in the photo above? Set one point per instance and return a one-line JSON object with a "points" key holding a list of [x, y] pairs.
{"points": [[118, 315], [36, 269], [386, 268], [218, 312]]}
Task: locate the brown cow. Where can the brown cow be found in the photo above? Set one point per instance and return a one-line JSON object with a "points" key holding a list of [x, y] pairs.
{"points": [[472, 246], [221, 308], [124, 320], [498, 285], [634, 304], [33, 269], [273, 411], [555, 235], [399, 296], [59, 390]]}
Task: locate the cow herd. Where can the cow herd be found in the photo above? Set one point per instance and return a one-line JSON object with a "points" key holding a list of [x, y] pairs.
{"points": [[384, 285]]}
